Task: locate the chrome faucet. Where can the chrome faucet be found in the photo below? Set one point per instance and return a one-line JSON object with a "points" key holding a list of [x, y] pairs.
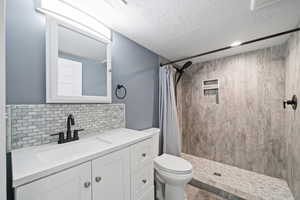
{"points": [[70, 122]]}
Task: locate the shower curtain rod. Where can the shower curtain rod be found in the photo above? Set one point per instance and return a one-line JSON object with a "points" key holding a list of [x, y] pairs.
{"points": [[230, 47]]}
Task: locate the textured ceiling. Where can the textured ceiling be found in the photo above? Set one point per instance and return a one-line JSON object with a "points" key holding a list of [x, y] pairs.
{"points": [[180, 28]]}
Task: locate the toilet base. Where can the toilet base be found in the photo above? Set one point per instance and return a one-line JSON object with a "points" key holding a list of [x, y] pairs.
{"points": [[174, 192], [169, 192]]}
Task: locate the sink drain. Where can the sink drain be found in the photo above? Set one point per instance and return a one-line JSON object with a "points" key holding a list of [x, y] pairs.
{"points": [[217, 174]]}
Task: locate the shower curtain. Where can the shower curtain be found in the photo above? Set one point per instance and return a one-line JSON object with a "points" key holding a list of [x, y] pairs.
{"points": [[168, 120]]}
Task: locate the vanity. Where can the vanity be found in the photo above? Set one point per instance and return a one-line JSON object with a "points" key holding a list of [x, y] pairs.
{"points": [[114, 165]]}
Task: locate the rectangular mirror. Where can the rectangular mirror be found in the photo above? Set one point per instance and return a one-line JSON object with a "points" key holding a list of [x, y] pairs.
{"points": [[79, 65]]}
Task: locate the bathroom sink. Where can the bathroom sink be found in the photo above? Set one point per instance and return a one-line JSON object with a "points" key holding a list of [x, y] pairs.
{"points": [[71, 151], [115, 137]]}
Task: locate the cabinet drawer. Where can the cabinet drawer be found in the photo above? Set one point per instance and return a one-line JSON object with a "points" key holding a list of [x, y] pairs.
{"points": [[149, 195], [142, 153], [142, 181]]}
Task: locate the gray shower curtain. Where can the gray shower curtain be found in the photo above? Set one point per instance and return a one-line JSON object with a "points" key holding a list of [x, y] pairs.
{"points": [[168, 120]]}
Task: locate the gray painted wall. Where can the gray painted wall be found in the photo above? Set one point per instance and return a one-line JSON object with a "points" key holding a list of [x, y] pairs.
{"points": [[136, 68], [25, 54], [133, 65], [3, 158]]}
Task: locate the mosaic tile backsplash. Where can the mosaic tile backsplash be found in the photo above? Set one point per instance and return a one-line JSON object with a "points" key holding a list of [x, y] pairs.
{"points": [[31, 125]]}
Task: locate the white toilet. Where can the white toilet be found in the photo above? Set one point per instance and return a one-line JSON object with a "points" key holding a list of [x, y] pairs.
{"points": [[174, 173], [171, 173]]}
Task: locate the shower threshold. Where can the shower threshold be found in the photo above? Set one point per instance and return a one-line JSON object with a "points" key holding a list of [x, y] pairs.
{"points": [[234, 183]]}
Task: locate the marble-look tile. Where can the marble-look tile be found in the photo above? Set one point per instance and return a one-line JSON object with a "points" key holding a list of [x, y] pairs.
{"points": [[236, 183], [293, 117], [246, 128], [194, 193]]}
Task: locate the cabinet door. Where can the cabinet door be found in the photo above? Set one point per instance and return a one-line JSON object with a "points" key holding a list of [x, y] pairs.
{"points": [[70, 184], [148, 195], [111, 176]]}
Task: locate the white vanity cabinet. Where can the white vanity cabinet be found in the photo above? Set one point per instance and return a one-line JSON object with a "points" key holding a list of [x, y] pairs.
{"points": [[74, 183], [142, 170], [125, 174], [111, 176]]}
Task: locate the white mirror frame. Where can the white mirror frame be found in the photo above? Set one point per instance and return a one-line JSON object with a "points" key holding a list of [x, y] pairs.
{"points": [[52, 65]]}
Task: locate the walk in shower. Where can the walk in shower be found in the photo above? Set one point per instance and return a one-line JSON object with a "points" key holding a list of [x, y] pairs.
{"points": [[241, 119]]}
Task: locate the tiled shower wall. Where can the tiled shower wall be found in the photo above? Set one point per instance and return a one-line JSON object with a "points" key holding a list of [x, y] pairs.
{"points": [[292, 125], [246, 128], [31, 125]]}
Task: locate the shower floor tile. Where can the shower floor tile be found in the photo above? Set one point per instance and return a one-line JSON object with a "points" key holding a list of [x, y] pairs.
{"points": [[230, 182], [194, 193]]}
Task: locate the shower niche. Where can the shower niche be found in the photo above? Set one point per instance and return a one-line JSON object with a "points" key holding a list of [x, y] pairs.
{"points": [[211, 88]]}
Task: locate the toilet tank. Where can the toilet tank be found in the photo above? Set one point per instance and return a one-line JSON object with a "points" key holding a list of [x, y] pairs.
{"points": [[156, 134]]}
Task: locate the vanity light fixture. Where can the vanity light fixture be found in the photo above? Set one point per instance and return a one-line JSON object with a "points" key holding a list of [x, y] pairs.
{"points": [[236, 44], [64, 11], [125, 2]]}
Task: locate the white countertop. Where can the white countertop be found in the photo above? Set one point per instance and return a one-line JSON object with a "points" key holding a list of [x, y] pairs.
{"points": [[242, 183], [29, 164]]}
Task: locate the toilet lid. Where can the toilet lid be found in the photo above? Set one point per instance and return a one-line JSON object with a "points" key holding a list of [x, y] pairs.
{"points": [[173, 164]]}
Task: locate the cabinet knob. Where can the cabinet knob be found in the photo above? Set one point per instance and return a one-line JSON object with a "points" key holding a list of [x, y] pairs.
{"points": [[144, 154], [98, 179], [87, 184], [144, 181]]}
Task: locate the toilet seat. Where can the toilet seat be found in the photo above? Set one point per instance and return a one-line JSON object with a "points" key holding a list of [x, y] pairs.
{"points": [[172, 164]]}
